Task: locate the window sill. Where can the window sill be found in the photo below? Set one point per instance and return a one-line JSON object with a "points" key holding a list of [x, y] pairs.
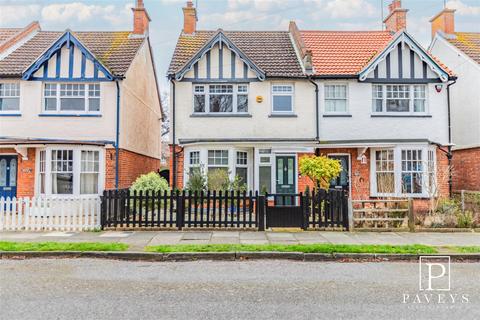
{"points": [[346, 115], [280, 115], [400, 197], [220, 115], [10, 114], [400, 115], [69, 115]]}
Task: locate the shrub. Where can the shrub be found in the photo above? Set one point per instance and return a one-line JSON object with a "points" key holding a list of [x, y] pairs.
{"points": [[320, 169], [447, 206], [150, 182], [217, 179], [465, 219], [238, 184], [196, 181]]}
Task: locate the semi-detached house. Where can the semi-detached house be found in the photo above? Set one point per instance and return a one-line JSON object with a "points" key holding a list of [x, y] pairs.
{"points": [[79, 111], [461, 51], [254, 102]]}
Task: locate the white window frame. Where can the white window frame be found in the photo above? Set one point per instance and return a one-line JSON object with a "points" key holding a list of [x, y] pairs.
{"points": [[235, 93], [17, 84], [241, 165], [347, 100], [411, 99], [397, 156], [273, 94], [58, 98], [76, 170]]}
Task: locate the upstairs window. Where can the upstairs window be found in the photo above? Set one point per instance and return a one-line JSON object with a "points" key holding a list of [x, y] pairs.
{"points": [[9, 97], [220, 98], [72, 97], [282, 98], [335, 98], [399, 99]]}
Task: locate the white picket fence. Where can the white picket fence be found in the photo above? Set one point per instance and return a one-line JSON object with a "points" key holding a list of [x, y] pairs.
{"points": [[50, 213]]}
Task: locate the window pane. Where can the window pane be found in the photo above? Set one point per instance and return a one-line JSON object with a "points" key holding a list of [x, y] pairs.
{"points": [[62, 183], [242, 103], [72, 104], [221, 103], [265, 179], [89, 172], [335, 105], [218, 157], [241, 158], [242, 173], [195, 158], [9, 104], [13, 172], [62, 171], [198, 103], [412, 171], [50, 104], [282, 103], [397, 105], [3, 172], [94, 104], [385, 182]]}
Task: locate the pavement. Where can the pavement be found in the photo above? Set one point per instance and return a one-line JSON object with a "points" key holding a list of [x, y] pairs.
{"points": [[137, 240], [105, 289]]}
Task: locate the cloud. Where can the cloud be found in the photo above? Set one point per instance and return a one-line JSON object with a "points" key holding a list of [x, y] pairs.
{"points": [[260, 5], [349, 8], [463, 9], [13, 13], [63, 12], [246, 19]]}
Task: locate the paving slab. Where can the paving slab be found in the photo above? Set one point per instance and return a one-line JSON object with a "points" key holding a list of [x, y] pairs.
{"points": [[59, 234], [339, 237], [251, 241], [309, 236], [18, 236], [116, 234], [224, 240], [280, 236], [194, 242], [225, 234], [166, 238], [196, 236], [252, 235]]}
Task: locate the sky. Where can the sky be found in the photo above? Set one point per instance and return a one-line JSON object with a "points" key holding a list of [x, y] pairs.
{"points": [[167, 17]]}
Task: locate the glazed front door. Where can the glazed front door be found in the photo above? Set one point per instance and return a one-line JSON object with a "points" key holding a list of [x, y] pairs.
{"points": [[285, 175], [343, 180], [8, 176]]}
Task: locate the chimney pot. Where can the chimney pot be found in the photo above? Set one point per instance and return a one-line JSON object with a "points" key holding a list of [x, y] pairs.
{"points": [[444, 21], [189, 18]]}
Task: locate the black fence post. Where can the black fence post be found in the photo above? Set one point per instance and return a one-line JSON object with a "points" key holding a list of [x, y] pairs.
{"points": [[304, 205], [345, 209], [261, 205], [103, 209], [180, 201]]}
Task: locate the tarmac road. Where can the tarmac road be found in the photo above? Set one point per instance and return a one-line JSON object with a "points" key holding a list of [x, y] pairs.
{"points": [[268, 289]]}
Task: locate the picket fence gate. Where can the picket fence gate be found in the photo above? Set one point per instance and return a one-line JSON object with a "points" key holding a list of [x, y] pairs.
{"points": [[50, 213]]}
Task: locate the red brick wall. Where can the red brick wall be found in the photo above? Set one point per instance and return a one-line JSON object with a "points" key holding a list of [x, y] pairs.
{"points": [[131, 166], [179, 161], [466, 168], [25, 172]]}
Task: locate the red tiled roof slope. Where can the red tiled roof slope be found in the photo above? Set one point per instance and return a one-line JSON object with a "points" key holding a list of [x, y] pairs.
{"points": [[344, 52], [6, 33], [115, 50], [271, 51], [469, 43]]}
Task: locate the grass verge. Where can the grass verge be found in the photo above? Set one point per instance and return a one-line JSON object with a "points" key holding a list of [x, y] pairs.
{"points": [[61, 246], [305, 248], [467, 249]]}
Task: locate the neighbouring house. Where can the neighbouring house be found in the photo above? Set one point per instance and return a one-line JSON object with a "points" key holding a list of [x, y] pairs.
{"points": [[254, 102], [79, 111], [461, 52]]}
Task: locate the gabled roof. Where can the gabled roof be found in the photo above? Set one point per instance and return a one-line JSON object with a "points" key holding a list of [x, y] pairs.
{"points": [[343, 53], [219, 38], [271, 51], [402, 36], [468, 43], [115, 50]]}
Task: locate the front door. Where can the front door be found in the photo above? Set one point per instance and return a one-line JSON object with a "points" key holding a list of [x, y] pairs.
{"points": [[285, 176], [343, 180], [8, 176]]}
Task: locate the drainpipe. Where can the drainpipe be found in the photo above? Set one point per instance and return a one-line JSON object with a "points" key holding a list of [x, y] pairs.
{"points": [[174, 151], [449, 154], [317, 129], [117, 136]]}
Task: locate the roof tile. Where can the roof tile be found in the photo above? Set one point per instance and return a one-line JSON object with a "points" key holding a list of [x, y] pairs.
{"points": [[469, 43]]}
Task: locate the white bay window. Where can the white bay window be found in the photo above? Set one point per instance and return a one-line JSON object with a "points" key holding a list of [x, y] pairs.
{"points": [[399, 99], [403, 171], [69, 171], [72, 98]]}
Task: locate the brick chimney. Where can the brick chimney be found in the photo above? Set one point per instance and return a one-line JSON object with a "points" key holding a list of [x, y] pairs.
{"points": [[141, 19], [397, 17], [444, 21], [189, 18]]}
